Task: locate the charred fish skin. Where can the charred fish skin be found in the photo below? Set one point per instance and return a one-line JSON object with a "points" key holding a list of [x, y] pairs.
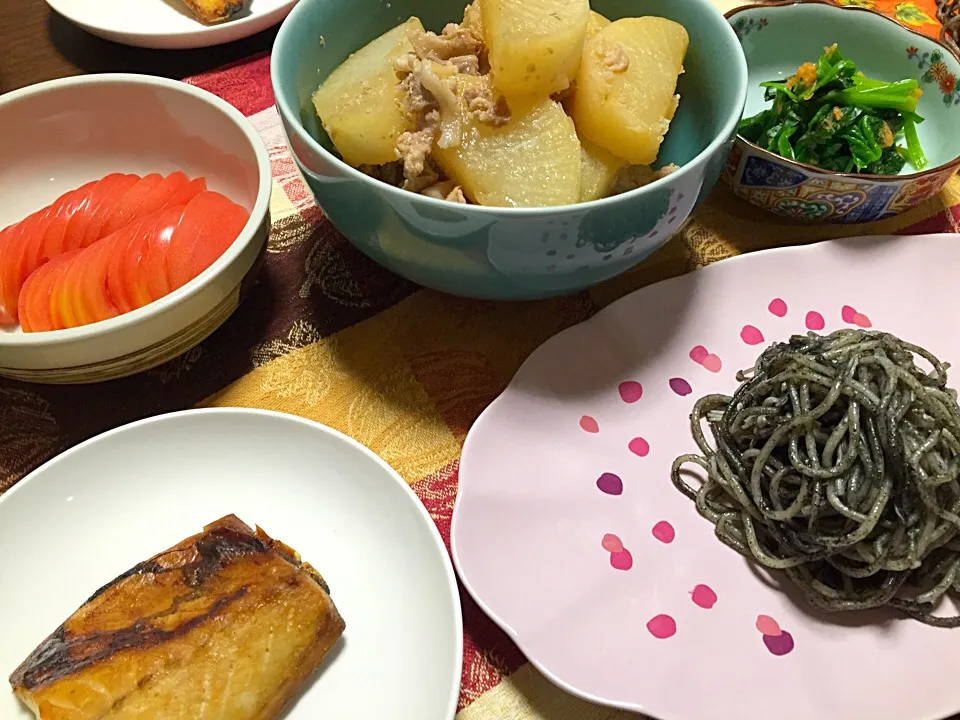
{"points": [[227, 608]]}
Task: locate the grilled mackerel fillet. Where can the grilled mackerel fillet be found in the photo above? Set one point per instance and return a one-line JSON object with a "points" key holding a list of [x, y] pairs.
{"points": [[227, 624], [214, 11]]}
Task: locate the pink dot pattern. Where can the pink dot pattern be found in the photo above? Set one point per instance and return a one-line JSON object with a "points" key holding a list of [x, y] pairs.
{"points": [[680, 386], [630, 391], [777, 307], [664, 532], [621, 560], [662, 626], [751, 335], [589, 424], [767, 625], [777, 640], [712, 363], [814, 321], [640, 447], [850, 316], [698, 353], [779, 645], [704, 596], [610, 484], [611, 543]]}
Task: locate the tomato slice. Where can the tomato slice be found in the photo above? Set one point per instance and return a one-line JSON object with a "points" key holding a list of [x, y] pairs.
{"points": [[188, 192], [7, 315], [56, 317], [118, 284], [76, 230], [130, 271], [13, 268], [34, 252], [210, 224], [36, 246], [66, 292], [152, 271], [34, 307], [170, 186], [231, 225], [67, 205], [105, 204], [92, 280], [128, 208], [25, 323]]}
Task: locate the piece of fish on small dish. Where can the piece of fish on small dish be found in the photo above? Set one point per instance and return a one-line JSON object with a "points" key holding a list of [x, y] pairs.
{"points": [[228, 622], [108, 504], [173, 24]]}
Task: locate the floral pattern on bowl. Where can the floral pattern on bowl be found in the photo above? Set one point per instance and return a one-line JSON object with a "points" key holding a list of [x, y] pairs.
{"points": [[936, 72], [776, 39]]}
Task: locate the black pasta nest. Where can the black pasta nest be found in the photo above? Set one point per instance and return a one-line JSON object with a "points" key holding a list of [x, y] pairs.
{"points": [[837, 461]]}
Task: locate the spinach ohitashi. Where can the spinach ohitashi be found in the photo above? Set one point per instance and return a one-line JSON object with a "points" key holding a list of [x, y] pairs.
{"points": [[831, 115]]}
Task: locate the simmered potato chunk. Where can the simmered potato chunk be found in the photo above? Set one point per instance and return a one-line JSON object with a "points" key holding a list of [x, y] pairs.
{"points": [[625, 88], [595, 23], [534, 45], [531, 161], [598, 170], [359, 104]]}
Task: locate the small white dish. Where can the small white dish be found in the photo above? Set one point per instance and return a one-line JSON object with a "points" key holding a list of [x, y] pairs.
{"points": [[61, 134], [88, 515], [167, 24]]}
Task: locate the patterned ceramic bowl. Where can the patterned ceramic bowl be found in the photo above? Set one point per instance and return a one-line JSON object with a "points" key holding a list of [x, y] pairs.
{"points": [[776, 39], [506, 253], [60, 134]]}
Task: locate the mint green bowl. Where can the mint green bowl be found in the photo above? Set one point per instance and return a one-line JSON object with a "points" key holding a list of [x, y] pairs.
{"points": [[506, 253]]}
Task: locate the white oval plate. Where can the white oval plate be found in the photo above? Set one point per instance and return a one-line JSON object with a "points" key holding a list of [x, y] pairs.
{"points": [[167, 24], [88, 515], [569, 533]]}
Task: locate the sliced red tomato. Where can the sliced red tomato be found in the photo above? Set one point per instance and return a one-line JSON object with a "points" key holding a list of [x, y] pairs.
{"points": [[34, 304], [34, 255], [231, 225], [126, 241], [130, 266], [7, 315], [210, 224], [56, 227], [160, 198], [22, 317], [152, 271], [66, 292], [56, 290], [77, 228], [32, 244], [93, 293], [105, 205], [118, 284], [188, 192], [13, 264], [36, 245], [128, 208]]}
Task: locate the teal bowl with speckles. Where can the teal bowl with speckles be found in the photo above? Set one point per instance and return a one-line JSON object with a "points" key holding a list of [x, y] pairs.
{"points": [[507, 253]]}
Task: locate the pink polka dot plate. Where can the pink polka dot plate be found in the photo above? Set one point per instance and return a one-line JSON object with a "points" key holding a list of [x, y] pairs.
{"points": [[569, 534]]}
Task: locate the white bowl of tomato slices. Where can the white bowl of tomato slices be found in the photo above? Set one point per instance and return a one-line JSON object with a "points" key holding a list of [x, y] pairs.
{"points": [[135, 211]]}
